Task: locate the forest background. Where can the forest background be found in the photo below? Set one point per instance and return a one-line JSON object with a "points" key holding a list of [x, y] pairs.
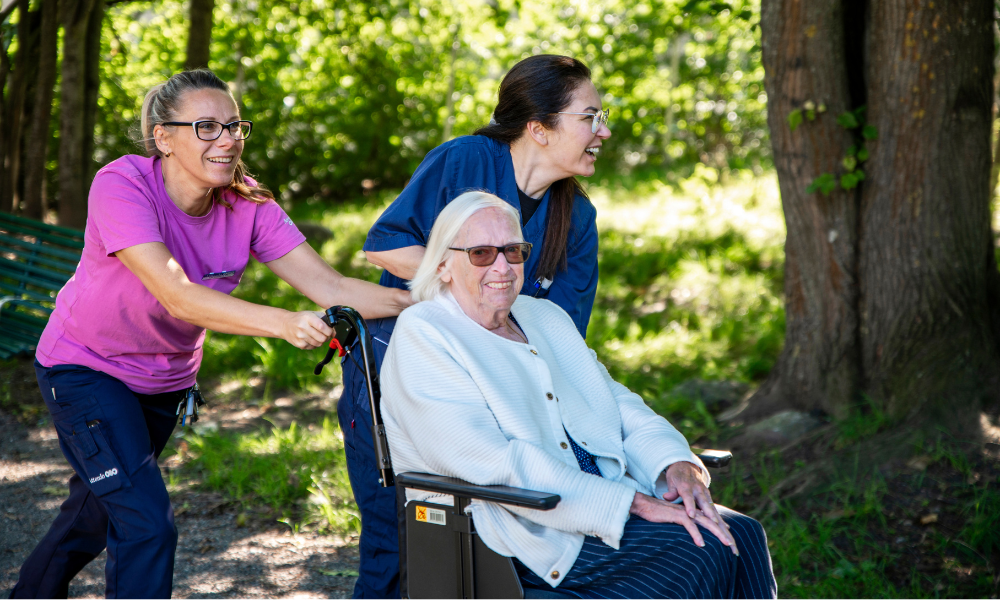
{"points": [[347, 98]]}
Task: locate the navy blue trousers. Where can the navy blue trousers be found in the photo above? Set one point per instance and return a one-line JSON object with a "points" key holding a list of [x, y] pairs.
{"points": [[378, 572], [111, 437], [660, 560]]}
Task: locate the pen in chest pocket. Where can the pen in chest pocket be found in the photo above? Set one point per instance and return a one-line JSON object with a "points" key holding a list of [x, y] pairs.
{"points": [[218, 275]]}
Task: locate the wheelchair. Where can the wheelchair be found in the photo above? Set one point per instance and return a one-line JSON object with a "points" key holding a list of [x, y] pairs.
{"points": [[441, 556]]}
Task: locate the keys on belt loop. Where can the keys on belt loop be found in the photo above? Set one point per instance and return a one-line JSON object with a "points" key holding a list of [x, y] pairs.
{"points": [[188, 406]]}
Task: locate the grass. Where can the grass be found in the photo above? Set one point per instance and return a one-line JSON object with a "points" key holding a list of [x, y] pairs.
{"points": [[298, 473], [924, 527]]}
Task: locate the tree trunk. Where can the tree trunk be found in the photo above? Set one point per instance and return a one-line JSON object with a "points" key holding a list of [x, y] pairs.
{"points": [[4, 101], [38, 139], [927, 258], [804, 61], [11, 175], [200, 34], [92, 76], [892, 289], [72, 173]]}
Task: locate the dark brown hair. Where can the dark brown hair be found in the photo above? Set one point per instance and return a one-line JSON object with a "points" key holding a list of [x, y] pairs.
{"points": [[160, 105], [535, 89]]}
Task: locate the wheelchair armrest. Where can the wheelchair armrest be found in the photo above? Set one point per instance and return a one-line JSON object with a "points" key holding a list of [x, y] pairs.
{"points": [[500, 494], [714, 459]]}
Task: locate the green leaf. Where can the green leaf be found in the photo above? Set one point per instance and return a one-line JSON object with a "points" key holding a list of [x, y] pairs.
{"points": [[863, 154], [794, 119], [849, 181], [849, 163], [860, 175], [825, 183], [869, 132], [847, 120], [811, 115], [853, 150]]}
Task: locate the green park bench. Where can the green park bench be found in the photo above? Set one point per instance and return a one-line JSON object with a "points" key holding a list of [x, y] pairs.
{"points": [[36, 260]]}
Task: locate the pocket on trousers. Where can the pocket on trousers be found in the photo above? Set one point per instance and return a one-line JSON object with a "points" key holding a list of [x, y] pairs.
{"points": [[103, 470]]}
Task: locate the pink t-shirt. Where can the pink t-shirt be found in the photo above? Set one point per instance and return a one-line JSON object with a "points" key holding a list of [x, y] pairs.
{"points": [[107, 320]]}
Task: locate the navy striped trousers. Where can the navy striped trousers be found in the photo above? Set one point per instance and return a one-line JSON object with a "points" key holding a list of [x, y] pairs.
{"points": [[660, 560]]}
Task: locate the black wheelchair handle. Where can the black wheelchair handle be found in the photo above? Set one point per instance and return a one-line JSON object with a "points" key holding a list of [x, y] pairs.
{"points": [[349, 327]]}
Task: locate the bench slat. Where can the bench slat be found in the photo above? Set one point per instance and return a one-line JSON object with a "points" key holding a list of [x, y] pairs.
{"points": [[32, 256], [42, 283], [49, 274], [54, 239], [66, 231], [70, 255], [29, 294]]}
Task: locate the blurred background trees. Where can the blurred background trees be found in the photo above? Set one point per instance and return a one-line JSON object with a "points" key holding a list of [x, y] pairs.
{"points": [[347, 97]]}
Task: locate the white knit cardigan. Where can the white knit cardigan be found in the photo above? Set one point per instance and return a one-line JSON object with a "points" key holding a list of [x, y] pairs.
{"points": [[463, 402]]}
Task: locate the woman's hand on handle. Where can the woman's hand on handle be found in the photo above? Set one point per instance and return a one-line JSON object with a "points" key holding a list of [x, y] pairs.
{"points": [[656, 510], [305, 330]]}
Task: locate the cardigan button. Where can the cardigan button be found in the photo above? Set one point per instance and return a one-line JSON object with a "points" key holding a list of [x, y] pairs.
{"points": [[554, 575], [563, 445], [549, 395], [535, 353]]}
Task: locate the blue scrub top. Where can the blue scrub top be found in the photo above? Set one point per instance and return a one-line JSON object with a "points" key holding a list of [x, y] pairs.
{"points": [[479, 163]]}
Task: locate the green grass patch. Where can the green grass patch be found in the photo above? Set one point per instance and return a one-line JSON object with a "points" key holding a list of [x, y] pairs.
{"points": [[927, 526], [298, 472]]}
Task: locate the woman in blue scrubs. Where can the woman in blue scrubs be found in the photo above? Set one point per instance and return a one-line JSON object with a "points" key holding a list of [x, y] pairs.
{"points": [[547, 129]]}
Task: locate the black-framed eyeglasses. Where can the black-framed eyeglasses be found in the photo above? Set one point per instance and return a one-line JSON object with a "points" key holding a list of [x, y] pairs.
{"points": [[210, 131], [485, 256], [600, 118]]}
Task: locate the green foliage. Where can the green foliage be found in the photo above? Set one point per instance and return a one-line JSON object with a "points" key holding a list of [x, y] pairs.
{"points": [[825, 183], [853, 121], [794, 119], [847, 120], [296, 472], [350, 97]]}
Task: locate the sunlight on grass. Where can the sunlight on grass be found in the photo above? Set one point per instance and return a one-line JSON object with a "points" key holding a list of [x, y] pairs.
{"points": [[298, 472]]}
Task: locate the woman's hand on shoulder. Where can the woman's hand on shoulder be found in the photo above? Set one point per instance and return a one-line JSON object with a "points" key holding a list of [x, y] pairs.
{"points": [[305, 330]]}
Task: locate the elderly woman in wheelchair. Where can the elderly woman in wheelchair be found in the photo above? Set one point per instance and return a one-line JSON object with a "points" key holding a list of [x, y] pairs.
{"points": [[498, 388]]}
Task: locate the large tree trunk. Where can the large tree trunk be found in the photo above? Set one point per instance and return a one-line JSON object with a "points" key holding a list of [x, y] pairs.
{"points": [[72, 168], [4, 101], [804, 60], [38, 138], [92, 76], [11, 173], [927, 258], [892, 289], [200, 34]]}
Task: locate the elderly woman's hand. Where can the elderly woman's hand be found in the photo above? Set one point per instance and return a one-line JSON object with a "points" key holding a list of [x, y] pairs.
{"points": [[660, 511], [686, 481]]}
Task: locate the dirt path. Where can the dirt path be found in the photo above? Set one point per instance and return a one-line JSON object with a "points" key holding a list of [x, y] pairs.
{"points": [[216, 558]]}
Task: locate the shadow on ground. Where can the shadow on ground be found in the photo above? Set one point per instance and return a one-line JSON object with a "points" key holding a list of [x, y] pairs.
{"points": [[216, 556]]}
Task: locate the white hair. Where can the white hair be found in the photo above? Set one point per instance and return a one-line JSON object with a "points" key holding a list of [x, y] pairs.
{"points": [[427, 284]]}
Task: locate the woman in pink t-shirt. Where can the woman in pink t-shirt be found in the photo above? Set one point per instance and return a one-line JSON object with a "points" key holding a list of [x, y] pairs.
{"points": [[167, 239]]}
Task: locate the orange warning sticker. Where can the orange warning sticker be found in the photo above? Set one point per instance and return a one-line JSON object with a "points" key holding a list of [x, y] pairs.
{"points": [[431, 515]]}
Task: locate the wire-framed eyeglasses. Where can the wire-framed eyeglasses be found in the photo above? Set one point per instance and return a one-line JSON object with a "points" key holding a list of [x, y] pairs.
{"points": [[485, 256], [600, 118], [210, 131]]}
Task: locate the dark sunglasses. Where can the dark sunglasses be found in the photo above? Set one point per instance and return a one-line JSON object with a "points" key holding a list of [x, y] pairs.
{"points": [[485, 256]]}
